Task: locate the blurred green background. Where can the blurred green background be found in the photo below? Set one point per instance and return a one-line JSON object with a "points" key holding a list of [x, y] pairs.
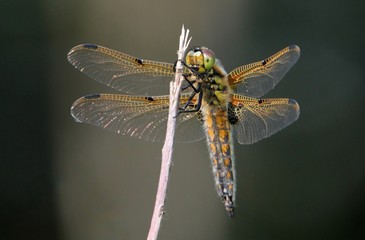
{"points": [[63, 180]]}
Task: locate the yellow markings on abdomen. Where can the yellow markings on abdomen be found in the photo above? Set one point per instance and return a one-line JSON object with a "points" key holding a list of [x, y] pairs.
{"points": [[211, 134], [223, 135], [213, 149], [226, 150], [218, 132]]}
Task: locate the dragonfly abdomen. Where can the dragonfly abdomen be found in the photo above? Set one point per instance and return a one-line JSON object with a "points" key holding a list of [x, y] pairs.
{"points": [[218, 132]]}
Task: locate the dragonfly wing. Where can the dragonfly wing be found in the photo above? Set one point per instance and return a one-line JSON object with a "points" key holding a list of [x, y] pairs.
{"points": [[123, 72], [254, 119], [137, 116], [258, 78]]}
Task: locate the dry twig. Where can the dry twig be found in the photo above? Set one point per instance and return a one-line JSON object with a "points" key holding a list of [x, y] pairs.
{"points": [[167, 149]]}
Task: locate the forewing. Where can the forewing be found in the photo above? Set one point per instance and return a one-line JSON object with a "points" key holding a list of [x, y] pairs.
{"points": [[137, 116], [123, 72], [256, 79], [254, 119]]}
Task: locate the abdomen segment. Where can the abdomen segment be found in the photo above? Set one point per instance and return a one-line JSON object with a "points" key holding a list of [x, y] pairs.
{"points": [[218, 132]]}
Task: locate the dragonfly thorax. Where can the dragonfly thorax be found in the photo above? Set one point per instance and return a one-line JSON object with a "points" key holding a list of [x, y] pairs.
{"points": [[216, 91]]}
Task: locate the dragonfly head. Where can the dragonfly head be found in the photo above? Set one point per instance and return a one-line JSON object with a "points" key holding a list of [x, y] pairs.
{"points": [[201, 59]]}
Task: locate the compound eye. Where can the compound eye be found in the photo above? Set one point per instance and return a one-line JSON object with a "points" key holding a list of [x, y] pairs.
{"points": [[194, 58], [209, 58], [189, 57]]}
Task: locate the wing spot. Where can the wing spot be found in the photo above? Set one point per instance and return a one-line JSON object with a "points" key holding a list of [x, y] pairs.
{"points": [[150, 99], [92, 96], [90, 46], [139, 61]]}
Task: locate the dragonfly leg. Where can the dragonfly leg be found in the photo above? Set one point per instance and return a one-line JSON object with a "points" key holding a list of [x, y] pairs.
{"points": [[190, 83], [174, 68], [183, 88], [188, 103]]}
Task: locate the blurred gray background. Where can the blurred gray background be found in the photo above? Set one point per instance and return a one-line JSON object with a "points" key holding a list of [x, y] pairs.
{"points": [[62, 180]]}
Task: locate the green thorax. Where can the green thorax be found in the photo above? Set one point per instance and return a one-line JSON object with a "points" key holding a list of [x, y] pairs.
{"points": [[216, 90]]}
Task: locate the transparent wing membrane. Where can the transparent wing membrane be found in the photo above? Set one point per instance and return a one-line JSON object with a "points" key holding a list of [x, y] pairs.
{"points": [[256, 79], [255, 119], [145, 117], [123, 72], [137, 116]]}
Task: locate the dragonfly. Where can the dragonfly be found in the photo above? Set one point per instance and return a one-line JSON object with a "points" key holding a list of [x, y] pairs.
{"points": [[214, 104]]}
